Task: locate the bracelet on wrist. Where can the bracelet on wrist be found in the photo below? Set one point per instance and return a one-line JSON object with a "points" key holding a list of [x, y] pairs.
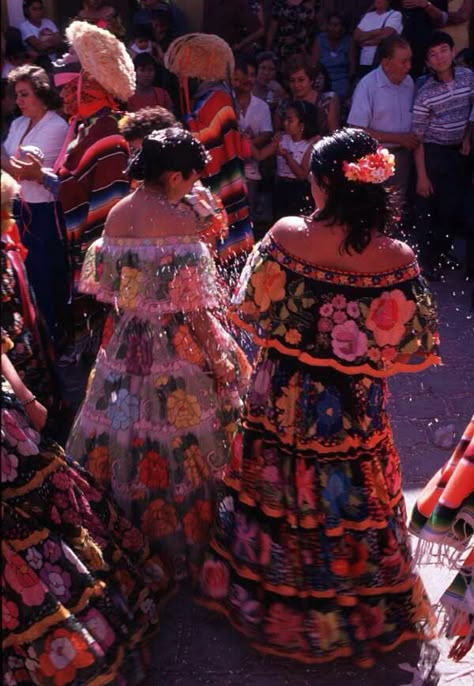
{"points": [[29, 401]]}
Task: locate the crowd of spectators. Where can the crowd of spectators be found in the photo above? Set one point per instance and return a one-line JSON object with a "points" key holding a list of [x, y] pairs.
{"points": [[303, 68]]}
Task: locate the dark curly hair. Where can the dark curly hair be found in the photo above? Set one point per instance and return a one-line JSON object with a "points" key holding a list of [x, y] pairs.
{"points": [[143, 122], [40, 84], [362, 207], [171, 149], [307, 114]]}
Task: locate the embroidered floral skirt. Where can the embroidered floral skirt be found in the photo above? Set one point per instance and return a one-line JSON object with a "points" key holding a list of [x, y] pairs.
{"points": [[155, 428], [310, 557], [79, 589]]}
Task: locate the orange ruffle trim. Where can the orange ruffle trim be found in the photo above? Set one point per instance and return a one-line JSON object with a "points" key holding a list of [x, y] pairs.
{"points": [[303, 357], [366, 662]]}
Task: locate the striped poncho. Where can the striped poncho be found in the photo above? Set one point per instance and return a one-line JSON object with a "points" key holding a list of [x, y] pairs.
{"points": [[213, 120], [92, 181]]}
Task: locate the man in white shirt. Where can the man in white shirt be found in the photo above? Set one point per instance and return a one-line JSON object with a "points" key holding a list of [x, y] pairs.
{"points": [[382, 105], [255, 122]]}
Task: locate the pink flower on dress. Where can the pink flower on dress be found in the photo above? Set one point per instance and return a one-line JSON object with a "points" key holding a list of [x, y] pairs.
{"points": [[325, 325], [352, 309], [9, 466], [388, 315], [34, 558], [9, 615], [57, 580], [339, 317], [348, 341], [23, 579], [185, 291], [25, 438], [61, 481], [339, 302], [326, 310]]}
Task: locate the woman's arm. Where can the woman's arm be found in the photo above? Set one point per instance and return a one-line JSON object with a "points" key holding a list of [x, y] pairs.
{"points": [[299, 170], [201, 325], [437, 16], [37, 413], [377, 35], [268, 150], [462, 14]]}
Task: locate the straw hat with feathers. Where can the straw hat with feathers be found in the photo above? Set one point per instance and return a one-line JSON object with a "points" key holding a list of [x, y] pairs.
{"points": [[200, 55], [104, 57]]}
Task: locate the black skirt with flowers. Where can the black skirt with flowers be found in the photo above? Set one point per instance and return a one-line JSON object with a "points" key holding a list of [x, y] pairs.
{"points": [[310, 556], [79, 589]]}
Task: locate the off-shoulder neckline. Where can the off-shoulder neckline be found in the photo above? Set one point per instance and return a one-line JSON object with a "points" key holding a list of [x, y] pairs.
{"points": [[138, 241], [332, 275]]}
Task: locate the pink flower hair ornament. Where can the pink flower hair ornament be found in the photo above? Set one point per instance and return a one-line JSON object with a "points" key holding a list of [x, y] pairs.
{"points": [[374, 168]]}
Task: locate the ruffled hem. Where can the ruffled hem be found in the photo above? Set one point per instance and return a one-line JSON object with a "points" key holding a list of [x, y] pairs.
{"points": [[395, 367], [363, 662]]}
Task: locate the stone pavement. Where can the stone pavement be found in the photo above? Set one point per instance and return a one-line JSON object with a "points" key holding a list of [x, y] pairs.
{"points": [[429, 412]]}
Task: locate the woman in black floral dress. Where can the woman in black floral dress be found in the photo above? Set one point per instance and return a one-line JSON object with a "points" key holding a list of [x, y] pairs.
{"points": [[310, 557], [80, 591], [32, 353]]}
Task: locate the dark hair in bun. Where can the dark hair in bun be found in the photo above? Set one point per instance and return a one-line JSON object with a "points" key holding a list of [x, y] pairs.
{"points": [[171, 149], [362, 207]]}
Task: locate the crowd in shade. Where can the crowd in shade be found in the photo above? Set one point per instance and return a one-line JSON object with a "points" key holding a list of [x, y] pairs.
{"points": [[217, 246]]}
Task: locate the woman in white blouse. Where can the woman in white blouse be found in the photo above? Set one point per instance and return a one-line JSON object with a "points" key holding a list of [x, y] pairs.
{"points": [[380, 22], [42, 132]]}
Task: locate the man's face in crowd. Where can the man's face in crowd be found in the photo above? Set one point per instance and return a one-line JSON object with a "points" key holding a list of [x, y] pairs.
{"points": [[244, 81], [440, 58], [398, 65]]}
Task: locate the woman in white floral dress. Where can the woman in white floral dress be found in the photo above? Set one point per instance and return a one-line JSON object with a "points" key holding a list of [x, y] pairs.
{"points": [[165, 391]]}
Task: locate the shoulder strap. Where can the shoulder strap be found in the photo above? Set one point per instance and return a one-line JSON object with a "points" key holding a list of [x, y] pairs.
{"points": [[387, 18]]}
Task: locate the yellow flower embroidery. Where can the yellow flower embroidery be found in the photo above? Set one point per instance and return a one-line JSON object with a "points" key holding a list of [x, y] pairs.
{"points": [[130, 286], [183, 409], [269, 284]]}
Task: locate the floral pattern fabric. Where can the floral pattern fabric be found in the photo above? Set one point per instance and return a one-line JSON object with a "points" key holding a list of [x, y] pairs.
{"points": [[31, 354], [79, 588], [156, 424], [310, 556]]}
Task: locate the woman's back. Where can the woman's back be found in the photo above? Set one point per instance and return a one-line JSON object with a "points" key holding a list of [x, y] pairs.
{"points": [[320, 244], [148, 214]]}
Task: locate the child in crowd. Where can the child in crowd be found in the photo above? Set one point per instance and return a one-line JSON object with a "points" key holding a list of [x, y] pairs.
{"points": [[142, 42], [147, 94], [293, 149]]}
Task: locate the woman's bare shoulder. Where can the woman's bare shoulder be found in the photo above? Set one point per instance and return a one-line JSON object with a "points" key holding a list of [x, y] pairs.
{"points": [[119, 217], [135, 217], [392, 253], [287, 230]]}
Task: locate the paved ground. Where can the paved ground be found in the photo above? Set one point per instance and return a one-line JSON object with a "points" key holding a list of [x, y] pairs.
{"points": [[429, 410]]}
